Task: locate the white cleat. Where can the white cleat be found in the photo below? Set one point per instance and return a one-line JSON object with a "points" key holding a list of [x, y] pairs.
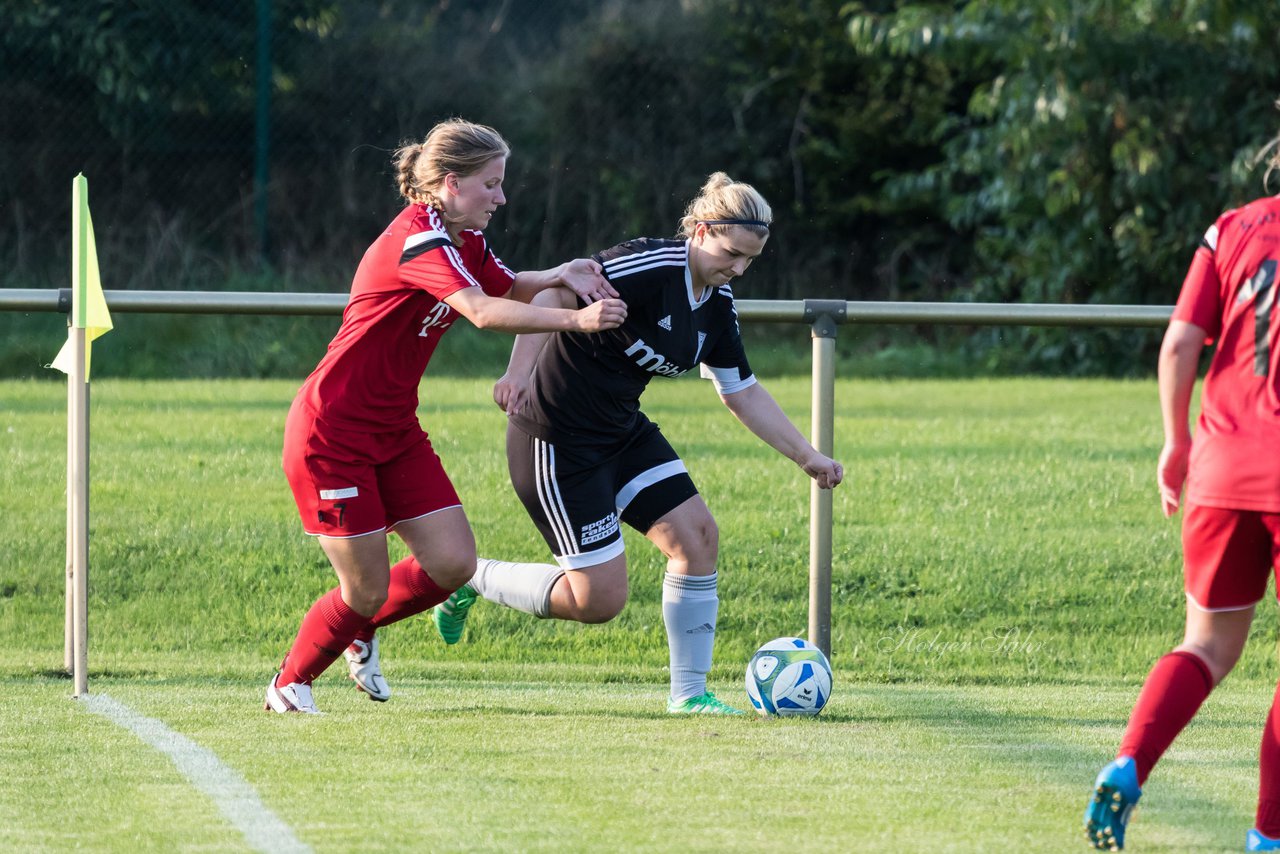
{"points": [[294, 697], [366, 670]]}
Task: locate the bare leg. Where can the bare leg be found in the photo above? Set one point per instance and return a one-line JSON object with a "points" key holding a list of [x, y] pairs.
{"points": [[1217, 637], [595, 594], [335, 619], [363, 568], [443, 546]]}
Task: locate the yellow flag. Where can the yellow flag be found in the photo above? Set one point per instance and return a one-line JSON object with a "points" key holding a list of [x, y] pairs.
{"points": [[88, 305]]}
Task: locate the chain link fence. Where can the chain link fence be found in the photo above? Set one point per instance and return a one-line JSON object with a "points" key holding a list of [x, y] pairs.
{"points": [[225, 137], [246, 144]]}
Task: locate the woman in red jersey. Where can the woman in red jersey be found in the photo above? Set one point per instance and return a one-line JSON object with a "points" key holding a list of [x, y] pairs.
{"points": [[1231, 519], [357, 460]]}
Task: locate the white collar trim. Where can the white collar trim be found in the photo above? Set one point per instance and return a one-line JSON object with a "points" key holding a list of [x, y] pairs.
{"points": [[694, 303]]}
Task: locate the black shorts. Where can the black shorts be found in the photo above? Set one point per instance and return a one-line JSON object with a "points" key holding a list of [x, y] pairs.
{"points": [[576, 496]]}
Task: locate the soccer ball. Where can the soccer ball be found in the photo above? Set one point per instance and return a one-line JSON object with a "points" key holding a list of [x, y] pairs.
{"points": [[788, 676]]}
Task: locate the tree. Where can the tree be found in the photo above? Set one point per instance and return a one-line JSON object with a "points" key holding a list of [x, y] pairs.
{"points": [[1096, 148]]}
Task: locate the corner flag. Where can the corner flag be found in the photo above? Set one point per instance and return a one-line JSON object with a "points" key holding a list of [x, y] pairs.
{"points": [[89, 320], [88, 305]]}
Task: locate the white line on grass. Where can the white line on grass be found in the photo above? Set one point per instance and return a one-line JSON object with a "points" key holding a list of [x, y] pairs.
{"points": [[235, 798]]}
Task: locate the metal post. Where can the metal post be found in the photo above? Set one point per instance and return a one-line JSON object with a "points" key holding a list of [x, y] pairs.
{"points": [[68, 629], [68, 624], [79, 401], [69, 617], [824, 316]]}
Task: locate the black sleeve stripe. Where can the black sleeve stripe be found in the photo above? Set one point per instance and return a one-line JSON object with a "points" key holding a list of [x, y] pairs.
{"points": [[425, 246], [1204, 244]]}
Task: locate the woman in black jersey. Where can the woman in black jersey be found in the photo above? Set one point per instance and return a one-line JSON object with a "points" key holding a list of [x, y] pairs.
{"points": [[583, 457]]}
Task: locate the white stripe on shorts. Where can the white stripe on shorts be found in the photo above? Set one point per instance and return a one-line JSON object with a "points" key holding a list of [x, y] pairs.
{"points": [[544, 478], [646, 479], [1200, 607], [392, 526], [593, 558], [381, 530]]}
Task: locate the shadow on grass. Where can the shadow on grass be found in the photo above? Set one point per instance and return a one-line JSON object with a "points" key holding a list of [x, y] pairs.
{"points": [[1031, 741]]}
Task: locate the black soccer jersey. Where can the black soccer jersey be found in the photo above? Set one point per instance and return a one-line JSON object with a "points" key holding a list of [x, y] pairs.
{"points": [[586, 386]]}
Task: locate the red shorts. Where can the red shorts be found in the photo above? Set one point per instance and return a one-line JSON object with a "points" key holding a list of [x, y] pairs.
{"points": [[1228, 555], [349, 483]]}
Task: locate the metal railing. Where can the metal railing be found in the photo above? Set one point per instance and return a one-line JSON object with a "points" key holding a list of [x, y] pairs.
{"points": [[823, 316], [782, 311]]}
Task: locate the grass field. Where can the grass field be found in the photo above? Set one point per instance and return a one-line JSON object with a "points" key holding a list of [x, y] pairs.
{"points": [[1003, 579]]}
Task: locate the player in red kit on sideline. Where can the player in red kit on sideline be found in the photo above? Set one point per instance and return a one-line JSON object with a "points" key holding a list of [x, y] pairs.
{"points": [[1231, 514], [358, 462]]}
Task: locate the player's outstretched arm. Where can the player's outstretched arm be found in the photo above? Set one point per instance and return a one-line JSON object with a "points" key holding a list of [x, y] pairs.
{"points": [[511, 391], [757, 409], [505, 315], [1179, 362], [583, 276]]}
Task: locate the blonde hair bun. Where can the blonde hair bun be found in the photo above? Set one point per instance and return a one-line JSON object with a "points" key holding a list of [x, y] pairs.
{"points": [[725, 203], [455, 145]]}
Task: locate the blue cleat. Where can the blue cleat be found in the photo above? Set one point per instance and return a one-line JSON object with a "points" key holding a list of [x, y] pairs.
{"points": [[1255, 841], [1110, 806]]}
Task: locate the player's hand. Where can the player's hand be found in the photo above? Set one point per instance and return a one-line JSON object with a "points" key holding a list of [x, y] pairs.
{"points": [[584, 277], [602, 315], [511, 393], [1171, 474], [826, 471]]}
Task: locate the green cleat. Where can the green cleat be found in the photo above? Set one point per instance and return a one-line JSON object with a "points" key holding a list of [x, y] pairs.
{"points": [[703, 704], [451, 614]]}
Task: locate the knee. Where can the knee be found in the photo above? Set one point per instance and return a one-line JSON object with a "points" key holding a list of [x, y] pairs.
{"points": [[1220, 657], [601, 608], [711, 539], [365, 598], [702, 546], [450, 571]]}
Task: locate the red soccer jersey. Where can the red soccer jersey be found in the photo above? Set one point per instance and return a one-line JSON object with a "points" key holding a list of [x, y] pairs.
{"points": [[1230, 292], [368, 379]]}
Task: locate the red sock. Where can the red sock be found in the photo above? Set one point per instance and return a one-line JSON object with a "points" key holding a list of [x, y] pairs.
{"points": [[1170, 697], [327, 629], [1268, 819], [411, 592]]}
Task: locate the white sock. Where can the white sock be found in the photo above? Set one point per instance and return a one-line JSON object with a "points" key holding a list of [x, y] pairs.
{"points": [[523, 586], [689, 607]]}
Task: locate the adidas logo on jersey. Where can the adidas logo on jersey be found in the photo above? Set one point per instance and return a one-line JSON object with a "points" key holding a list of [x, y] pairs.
{"points": [[653, 362], [665, 323]]}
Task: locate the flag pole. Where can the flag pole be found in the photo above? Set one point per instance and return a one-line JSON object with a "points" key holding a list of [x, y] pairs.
{"points": [[68, 634], [78, 413], [89, 319], [80, 512]]}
